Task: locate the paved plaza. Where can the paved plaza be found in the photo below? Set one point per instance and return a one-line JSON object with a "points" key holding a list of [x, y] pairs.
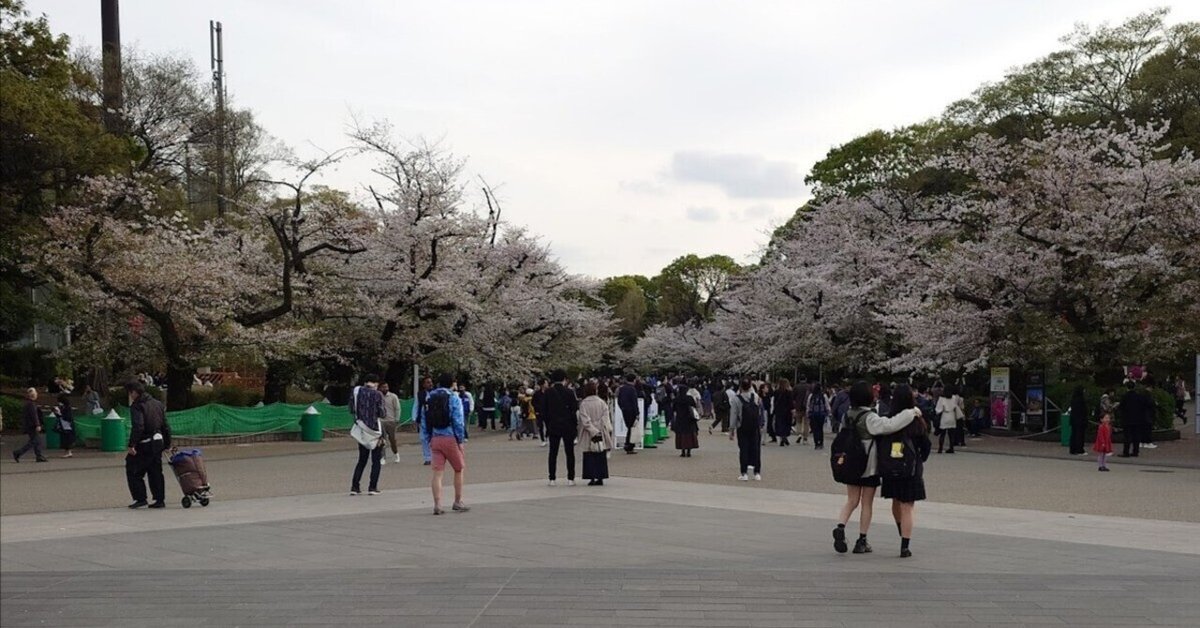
{"points": [[641, 551]]}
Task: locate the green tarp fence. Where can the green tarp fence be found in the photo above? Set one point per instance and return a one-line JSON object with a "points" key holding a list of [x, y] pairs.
{"points": [[215, 419]]}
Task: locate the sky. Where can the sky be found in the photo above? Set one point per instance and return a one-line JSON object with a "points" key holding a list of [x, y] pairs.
{"points": [[624, 133]]}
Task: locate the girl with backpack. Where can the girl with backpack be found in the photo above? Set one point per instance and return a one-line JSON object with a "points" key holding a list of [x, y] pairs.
{"points": [[864, 424], [745, 423], [902, 454]]}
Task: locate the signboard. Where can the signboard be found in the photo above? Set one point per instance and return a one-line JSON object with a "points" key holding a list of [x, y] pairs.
{"points": [[1000, 376], [1035, 399], [999, 403]]}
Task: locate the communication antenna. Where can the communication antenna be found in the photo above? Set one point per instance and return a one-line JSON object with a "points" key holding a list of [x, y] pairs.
{"points": [[217, 64]]}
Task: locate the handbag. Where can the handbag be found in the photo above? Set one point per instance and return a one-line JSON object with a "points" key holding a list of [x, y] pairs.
{"points": [[365, 436], [596, 447]]}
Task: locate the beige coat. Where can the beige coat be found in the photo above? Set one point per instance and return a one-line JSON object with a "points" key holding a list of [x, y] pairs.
{"points": [[594, 418]]}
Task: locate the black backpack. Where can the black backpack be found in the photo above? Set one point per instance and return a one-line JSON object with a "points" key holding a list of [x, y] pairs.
{"points": [[847, 456], [896, 457], [437, 411], [750, 415]]}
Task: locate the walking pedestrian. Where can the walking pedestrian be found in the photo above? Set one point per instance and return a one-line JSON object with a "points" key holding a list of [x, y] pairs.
{"points": [[721, 406], [149, 437], [559, 412], [487, 408], [539, 410], [627, 401], [800, 405], [948, 410], [91, 400], [595, 434], [1131, 411], [391, 420], [818, 412], [446, 427], [65, 424], [746, 423], [1181, 398], [419, 409], [839, 407], [31, 424], [783, 411], [368, 414], [687, 422], [866, 424], [1103, 445], [904, 452]]}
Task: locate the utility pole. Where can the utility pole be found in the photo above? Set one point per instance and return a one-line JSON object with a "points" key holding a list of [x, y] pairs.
{"points": [[217, 64], [110, 38]]}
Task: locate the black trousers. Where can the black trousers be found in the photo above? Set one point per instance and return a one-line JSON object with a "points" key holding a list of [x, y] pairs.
{"points": [[818, 430], [145, 466], [1078, 434], [568, 445], [375, 455], [485, 415], [749, 451], [629, 434], [948, 432], [1133, 440], [541, 428], [35, 443]]}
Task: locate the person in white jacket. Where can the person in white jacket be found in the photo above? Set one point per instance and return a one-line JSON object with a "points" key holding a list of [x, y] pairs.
{"points": [[949, 412], [864, 420]]}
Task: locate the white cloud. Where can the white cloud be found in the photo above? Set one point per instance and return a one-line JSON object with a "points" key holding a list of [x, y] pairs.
{"points": [[702, 214], [739, 175]]}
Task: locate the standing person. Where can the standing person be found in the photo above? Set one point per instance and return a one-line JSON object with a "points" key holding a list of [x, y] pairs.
{"points": [[1181, 397], [627, 401], [539, 409], [746, 423], [91, 400], [839, 407], [65, 423], [468, 403], [487, 408], [767, 399], [560, 416], [595, 434], [800, 402], [818, 412], [948, 409], [706, 401], [905, 491], [31, 424], [687, 422], [883, 399], [1131, 417], [782, 411], [149, 436], [446, 425], [391, 420], [866, 425], [369, 411], [1149, 408], [1079, 421], [419, 418], [721, 406], [1103, 445]]}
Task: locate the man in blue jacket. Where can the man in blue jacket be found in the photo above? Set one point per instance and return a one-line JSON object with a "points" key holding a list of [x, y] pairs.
{"points": [[445, 428]]}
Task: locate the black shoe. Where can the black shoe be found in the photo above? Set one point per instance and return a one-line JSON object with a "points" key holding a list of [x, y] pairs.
{"points": [[16, 457], [158, 505], [1122, 455], [42, 459], [861, 546], [1104, 468], [949, 451], [427, 463], [839, 539], [905, 553], [141, 503]]}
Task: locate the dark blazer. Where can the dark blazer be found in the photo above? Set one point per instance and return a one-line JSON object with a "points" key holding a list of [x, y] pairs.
{"points": [[559, 406], [31, 417], [148, 417]]}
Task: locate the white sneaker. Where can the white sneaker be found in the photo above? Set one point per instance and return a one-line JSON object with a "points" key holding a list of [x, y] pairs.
{"points": [[750, 470], [758, 477], [543, 443], [570, 482], [397, 459], [382, 460], [742, 478], [1149, 446], [552, 483]]}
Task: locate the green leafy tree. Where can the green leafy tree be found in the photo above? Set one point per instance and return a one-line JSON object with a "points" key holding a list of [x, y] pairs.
{"points": [[690, 287]]}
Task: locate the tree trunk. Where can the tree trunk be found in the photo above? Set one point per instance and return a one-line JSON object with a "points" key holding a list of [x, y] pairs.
{"points": [[279, 376], [179, 384]]}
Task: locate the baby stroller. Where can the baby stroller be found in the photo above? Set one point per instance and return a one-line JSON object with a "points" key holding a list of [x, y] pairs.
{"points": [[188, 465]]}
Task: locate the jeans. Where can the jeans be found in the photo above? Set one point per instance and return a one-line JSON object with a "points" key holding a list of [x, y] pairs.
{"points": [[749, 451], [146, 463], [426, 452], [568, 445], [363, 454]]}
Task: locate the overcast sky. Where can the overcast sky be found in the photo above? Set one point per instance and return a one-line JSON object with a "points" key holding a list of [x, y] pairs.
{"points": [[625, 133]]}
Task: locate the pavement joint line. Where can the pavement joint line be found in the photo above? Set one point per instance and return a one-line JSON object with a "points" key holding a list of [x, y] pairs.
{"points": [[1088, 459], [494, 596], [1157, 535]]}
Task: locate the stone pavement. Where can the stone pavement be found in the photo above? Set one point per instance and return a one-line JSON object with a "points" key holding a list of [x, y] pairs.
{"points": [[637, 552]]}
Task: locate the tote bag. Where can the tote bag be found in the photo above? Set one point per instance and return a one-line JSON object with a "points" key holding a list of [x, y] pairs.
{"points": [[365, 436]]}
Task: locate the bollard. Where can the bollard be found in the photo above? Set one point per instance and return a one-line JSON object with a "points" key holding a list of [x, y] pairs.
{"points": [[312, 428], [1064, 429], [112, 432]]}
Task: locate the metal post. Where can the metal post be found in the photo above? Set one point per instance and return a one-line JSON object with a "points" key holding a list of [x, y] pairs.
{"points": [[217, 65], [110, 46]]}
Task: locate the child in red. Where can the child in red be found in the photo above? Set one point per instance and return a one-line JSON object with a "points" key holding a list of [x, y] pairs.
{"points": [[1103, 445]]}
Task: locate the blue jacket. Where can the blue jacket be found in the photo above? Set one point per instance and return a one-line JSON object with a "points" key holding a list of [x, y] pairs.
{"points": [[457, 427]]}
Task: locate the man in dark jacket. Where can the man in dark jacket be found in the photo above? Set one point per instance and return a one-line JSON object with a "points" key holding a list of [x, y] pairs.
{"points": [[149, 436], [31, 424], [1131, 410], [558, 414], [539, 409], [627, 401]]}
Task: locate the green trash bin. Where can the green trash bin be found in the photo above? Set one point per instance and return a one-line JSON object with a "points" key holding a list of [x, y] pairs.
{"points": [[112, 433], [312, 428], [53, 438], [1064, 429]]}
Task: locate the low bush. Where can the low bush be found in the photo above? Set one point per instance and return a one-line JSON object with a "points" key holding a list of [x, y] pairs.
{"points": [[225, 395], [118, 397], [12, 407]]}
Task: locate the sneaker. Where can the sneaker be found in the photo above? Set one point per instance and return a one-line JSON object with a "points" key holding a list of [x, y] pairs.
{"points": [[861, 546], [158, 505], [438, 511], [552, 483], [905, 553], [382, 460], [1103, 469], [460, 507], [141, 503], [397, 461], [758, 477], [427, 463], [374, 492], [1149, 446], [839, 540], [42, 459], [743, 478], [570, 482], [16, 457], [355, 492], [543, 444], [750, 469]]}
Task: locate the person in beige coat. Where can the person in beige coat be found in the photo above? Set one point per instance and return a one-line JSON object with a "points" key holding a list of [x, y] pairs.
{"points": [[595, 435]]}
